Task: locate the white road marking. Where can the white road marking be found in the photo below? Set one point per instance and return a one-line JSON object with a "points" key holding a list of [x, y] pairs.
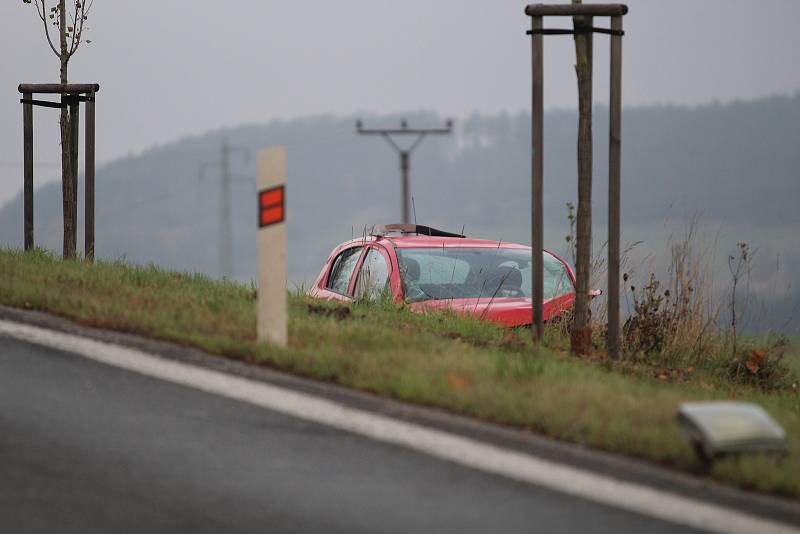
{"points": [[465, 451]]}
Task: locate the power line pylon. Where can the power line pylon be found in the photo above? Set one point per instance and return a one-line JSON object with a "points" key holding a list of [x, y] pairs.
{"points": [[226, 262], [405, 153]]}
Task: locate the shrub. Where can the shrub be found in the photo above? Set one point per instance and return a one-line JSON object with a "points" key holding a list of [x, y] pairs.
{"points": [[764, 367]]}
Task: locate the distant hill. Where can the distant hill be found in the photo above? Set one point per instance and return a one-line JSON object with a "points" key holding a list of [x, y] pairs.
{"points": [[737, 164]]}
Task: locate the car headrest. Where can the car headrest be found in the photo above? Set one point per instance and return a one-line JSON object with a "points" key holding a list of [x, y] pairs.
{"points": [[514, 278], [411, 268], [508, 277]]}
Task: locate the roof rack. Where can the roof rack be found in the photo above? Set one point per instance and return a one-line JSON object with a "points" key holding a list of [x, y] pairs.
{"points": [[383, 229]]}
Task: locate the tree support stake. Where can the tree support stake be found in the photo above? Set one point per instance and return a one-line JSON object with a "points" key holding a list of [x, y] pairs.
{"points": [[71, 97], [615, 12]]}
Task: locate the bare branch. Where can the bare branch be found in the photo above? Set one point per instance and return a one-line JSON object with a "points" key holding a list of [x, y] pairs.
{"points": [[43, 16], [74, 18], [40, 9], [78, 23]]}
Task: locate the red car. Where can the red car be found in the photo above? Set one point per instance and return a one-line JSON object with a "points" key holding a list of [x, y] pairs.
{"points": [[432, 269]]}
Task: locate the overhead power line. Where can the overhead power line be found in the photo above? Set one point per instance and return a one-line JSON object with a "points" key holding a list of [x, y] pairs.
{"points": [[405, 153]]}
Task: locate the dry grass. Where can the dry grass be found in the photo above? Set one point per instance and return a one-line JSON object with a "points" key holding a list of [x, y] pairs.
{"points": [[676, 318]]}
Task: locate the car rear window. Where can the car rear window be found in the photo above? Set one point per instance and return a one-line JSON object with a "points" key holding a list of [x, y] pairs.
{"points": [[342, 270]]}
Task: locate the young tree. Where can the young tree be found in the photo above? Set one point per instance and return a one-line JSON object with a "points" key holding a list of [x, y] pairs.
{"points": [[68, 22], [581, 328]]}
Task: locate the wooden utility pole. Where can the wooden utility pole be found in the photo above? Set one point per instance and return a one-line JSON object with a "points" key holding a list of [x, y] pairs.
{"points": [[405, 154], [226, 252], [225, 227]]}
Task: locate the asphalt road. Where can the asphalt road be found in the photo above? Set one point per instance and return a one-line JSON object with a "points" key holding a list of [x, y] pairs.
{"points": [[86, 447]]}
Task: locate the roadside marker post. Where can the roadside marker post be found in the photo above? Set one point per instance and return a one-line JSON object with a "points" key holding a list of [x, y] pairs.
{"points": [[271, 186]]}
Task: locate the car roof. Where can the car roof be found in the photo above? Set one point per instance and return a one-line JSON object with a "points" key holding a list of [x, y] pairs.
{"points": [[424, 241]]}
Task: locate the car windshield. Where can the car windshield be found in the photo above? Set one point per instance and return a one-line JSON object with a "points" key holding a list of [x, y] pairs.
{"points": [[455, 273]]}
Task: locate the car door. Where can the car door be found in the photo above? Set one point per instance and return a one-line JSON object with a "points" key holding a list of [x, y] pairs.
{"points": [[374, 274]]}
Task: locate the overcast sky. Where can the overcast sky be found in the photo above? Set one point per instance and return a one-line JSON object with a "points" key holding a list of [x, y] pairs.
{"points": [[170, 68]]}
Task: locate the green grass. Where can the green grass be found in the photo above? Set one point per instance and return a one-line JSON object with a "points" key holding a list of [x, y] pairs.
{"points": [[438, 359]]}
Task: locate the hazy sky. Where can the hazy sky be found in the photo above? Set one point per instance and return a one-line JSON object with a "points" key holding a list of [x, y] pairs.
{"points": [[173, 68]]}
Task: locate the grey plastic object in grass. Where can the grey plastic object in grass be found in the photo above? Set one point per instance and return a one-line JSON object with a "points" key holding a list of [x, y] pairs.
{"points": [[719, 428]]}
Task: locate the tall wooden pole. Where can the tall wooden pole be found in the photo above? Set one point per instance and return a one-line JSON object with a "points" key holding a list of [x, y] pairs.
{"points": [[27, 120], [537, 178], [225, 231], [614, 155], [581, 329], [88, 229], [74, 135]]}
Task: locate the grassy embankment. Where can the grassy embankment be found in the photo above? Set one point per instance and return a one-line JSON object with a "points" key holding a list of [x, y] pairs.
{"points": [[442, 360]]}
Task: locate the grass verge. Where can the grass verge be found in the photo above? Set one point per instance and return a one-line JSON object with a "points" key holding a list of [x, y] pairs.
{"points": [[439, 359]]}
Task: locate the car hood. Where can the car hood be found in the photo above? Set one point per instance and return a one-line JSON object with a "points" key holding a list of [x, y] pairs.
{"points": [[507, 311]]}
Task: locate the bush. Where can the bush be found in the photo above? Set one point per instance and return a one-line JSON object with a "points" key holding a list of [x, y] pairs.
{"points": [[763, 367], [674, 324]]}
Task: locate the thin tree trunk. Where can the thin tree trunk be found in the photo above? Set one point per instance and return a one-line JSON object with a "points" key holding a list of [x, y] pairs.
{"points": [[68, 184], [581, 330]]}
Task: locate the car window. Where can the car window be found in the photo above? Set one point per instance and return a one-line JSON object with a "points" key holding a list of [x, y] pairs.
{"points": [[556, 278], [342, 269], [436, 269], [455, 272], [373, 277]]}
